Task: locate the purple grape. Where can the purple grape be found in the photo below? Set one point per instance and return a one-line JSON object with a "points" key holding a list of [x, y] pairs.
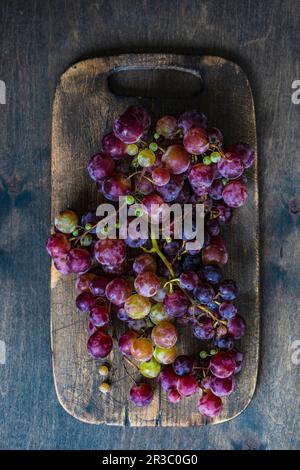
{"points": [[222, 387], [172, 189], [167, 378], [210, 405], [245, 152], [61, 264], [190, 119], [237, 356], [216, 190], [204, 329], [235, 194], [227, 310], [204, 293], [191, 262], [78, 260], [214, 135], [99, 315], [172, 248], [176, 304], [224, 212], [113, 146], [110, 252], [90, 218], [141, 395], [201, 176], [100, 167], [196, 141], [188, 280], [212, 274], [222, 365], [142, 115], [85, 301], [143, 263], [224, 342], [237, 326], [98, 285], [122, 314], [126, 340], [174, 396], [187, 385], [118, 290], [183, 365], [231, 166], [116, 186], [58, 245], [128, 128], [228, 290], [99, 344]]}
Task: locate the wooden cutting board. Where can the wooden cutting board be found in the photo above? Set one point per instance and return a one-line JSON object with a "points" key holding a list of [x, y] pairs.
{"points": [[89, 96]]}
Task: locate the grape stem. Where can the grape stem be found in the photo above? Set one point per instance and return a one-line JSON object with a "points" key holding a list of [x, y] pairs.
{"points": [[155, 249]]}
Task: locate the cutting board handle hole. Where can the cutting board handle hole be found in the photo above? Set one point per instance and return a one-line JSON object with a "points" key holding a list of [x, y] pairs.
{"points": [[168, 81]]}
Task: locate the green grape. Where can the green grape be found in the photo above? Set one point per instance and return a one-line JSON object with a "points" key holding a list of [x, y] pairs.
{"points": [[137, 306], [150, 369], [164, 355], [215, 157], [66, 221], [153, 146], [142, 349], [146, 158], [132, 149], [158, 313], [206, 160]]}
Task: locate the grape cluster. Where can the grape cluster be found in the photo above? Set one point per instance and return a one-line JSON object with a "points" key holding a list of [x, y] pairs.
{"points": [[155, 287]]}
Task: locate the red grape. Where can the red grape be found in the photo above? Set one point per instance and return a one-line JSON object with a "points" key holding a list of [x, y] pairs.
{"points": [[113, 146], [196, 141], [230, 166], [99, 344], [235, 194], [141, 394], [100, 167], [110, 252], [126, 341], [167, 378], [201, 176], [116, 186], [245, 152], [167, 127], [176, 159], [147, 284], [188, 280], [58, 245], [222, 387], [118, 290], [98, 285], [222, 365], [78, 260], [85, 301], [99, 315], [160, 176], [192, 119], [143, 263], [210, 405], [176, 304], [82, 283], [187, 385], [237, 326], [174, 396]]}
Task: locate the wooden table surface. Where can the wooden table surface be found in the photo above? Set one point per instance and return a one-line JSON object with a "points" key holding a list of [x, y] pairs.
{"points": [[38, 41]]}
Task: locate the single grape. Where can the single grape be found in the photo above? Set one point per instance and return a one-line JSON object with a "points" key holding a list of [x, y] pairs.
{"points": [[215, 255], [191, 262], [116, 186], [118, 290], [237, 356], [98, 285], [99, 315], [230, 166], [196, 141], [176, 304], [201, 176], [222, 387], [155, 207], [210, 405], [142, 115], [113, 146], [121, 313], [174, 396], [147, 284], [212, 274], [227, 310], [161, 293], [141, 395], [126, 341], [143, 185], [114, 270], [158, 313], [245, 152], [138, 325], [204, 329], [165, 355], [66, 221], [82, 283], [146, 158], [85, 301], [176, 159], [167, 127], [91, 328], [224, 212], [150, 369], [224, 342], [170, 191], [78, 260], [204, 293], [137, 306], [90, 219], [142, 349], [164, 334], [216, 190], [58, 245], [61, 264], [183, 365], [235, 194], [222, 365], [188, 280], [171, 248], [110, 252], [187, 385], [228, 289], [214, 135], [167, 379], [100, 167], [143, 263], [160, 176], [128, 128], [99, 344], [237, 326], [191, 119]]}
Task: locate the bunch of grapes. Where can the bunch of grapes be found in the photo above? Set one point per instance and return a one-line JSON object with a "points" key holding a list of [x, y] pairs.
{"points": [[156, 286]]}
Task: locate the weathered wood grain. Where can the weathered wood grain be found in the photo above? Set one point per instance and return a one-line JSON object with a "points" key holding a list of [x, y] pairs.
{"points": [[84, 108]]}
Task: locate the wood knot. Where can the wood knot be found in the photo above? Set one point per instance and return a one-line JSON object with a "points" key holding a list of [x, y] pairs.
{"points": [[294, 207]]}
